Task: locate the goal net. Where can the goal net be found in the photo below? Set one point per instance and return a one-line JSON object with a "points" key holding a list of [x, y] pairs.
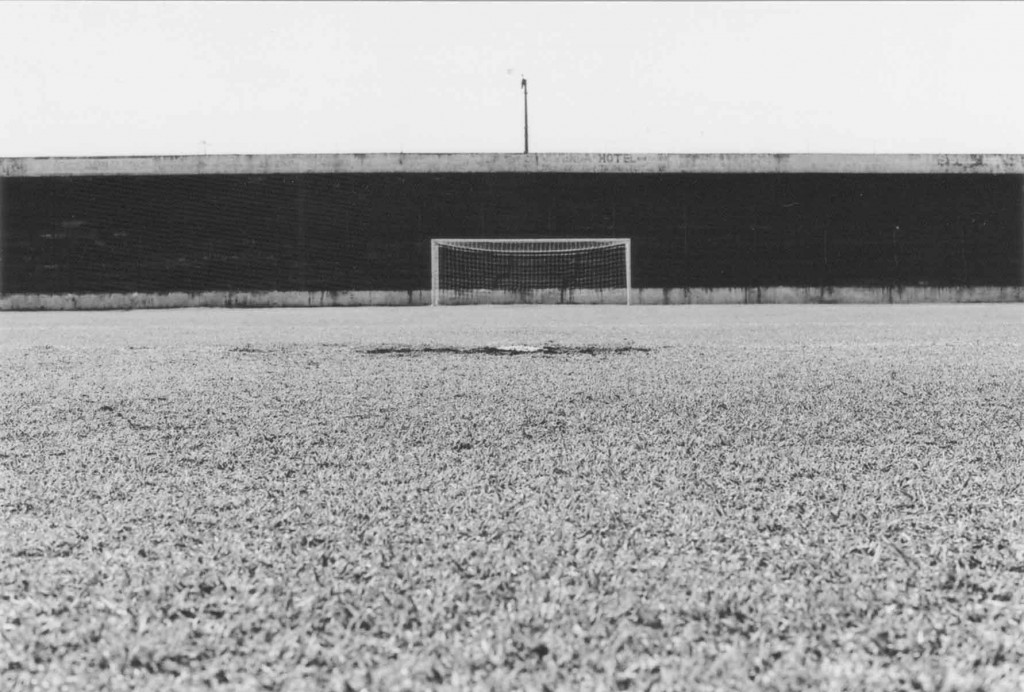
{"points": [[563, 270]]}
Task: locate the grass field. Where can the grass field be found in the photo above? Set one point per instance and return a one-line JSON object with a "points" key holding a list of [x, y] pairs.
{"points": [[753, 497]]}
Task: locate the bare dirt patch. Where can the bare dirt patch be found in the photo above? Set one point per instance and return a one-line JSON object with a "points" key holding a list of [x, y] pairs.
{"points": [[510, 350]]}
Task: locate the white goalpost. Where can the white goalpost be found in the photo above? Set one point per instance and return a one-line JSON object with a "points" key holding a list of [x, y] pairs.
{"points": [[522, 270]]}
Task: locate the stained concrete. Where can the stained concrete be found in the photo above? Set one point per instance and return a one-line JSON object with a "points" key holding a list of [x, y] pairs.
{"points": [[513, 163], [645, 296]]}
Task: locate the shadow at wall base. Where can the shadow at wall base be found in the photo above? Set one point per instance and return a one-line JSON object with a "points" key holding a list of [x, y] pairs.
{"points": [[830, 294], [640, 296], [210, 299]]}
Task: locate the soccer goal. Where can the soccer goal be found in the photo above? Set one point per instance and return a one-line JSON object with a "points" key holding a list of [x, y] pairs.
{"points": [[512, 270]]}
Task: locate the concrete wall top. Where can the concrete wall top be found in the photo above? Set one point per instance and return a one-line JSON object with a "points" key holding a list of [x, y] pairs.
{"points": [[239, 164]]}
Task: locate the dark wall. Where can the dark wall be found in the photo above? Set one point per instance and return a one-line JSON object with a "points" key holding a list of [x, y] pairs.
{"points": [[372, 232], [155, 234]]}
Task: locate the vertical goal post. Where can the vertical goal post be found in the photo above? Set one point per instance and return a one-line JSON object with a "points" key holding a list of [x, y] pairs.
{"points": [[530, 270]]}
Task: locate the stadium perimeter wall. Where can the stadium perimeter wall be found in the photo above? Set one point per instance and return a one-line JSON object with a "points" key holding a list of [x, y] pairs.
{"points": [[355, 229]]}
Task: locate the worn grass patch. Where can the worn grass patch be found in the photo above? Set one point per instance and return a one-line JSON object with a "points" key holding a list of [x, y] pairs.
{"points": [[767, 498], [506, 350]]}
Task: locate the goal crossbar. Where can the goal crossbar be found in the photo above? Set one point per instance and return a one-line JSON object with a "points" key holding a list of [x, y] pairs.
{"points": [[523, 245]]}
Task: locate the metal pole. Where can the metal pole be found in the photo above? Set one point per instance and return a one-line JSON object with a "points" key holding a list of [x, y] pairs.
{"points": [[435, 278], [526, 120], [629, 272]]}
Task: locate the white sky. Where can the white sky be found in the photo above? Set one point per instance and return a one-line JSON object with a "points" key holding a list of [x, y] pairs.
{"points": [[93, 78]]}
